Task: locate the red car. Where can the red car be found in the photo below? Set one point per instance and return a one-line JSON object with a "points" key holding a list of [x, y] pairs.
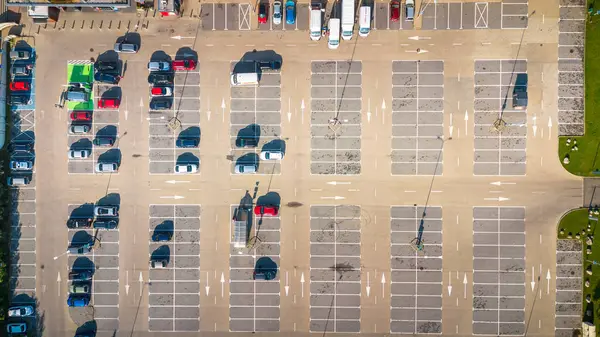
{"points": [[266, 210], [263, 13], [81, 116], [20, 86], [108, 103], [183, 65], [394, 10]]}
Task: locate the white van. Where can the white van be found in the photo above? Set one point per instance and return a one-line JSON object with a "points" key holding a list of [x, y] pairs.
{"points": [[244, 79], [364, 21], [315, 23], [334, 34], [347, 19]]}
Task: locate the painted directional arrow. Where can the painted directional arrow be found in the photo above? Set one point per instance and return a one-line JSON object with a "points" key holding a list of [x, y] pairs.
{"points": [[58, 283], [287, 286], [534, 125], [548, 282], [222, 285], [178, 37], [334, 198], [417, 38], [497, 199], [176, 197], [449, 283], [127, 282], [451, 126], [465, 286], [302, 282], [532, 278], [466, 123], [382, 284], [500, 183], [338, 183], [176, 181], [368, 285], [549, 127], [207, 287]]}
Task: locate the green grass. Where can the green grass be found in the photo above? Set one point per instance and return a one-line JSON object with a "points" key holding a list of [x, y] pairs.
{"points": [[575, 222], [81, 73]]}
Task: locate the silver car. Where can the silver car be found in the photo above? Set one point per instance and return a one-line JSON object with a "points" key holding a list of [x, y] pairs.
{"points": [[106, 167], [186, 168], [79, 154], [128, 48], [277, 12], [159, 66], [20, 311], [106, 211], [246, 168], [78, 129]]}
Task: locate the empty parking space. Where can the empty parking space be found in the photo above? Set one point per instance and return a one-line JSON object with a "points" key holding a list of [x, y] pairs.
{"points": [[417, 117], [498, 270], [227, 16], [500, 122], [568, 287], [335, 268], [515, 14], [180, 122], [174, 291], [256, 115], [416, 284], [570, 68], [508, 14], [254, 304], [336, 102], [104, 261], [104, 123]]}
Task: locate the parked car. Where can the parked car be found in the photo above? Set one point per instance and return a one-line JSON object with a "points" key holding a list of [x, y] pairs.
{"points": [[246, 142], [20, 86], [16, 55], [159, 66], [161, 103], [21, 165], [20, 311], [79, 288], [127, 48], [185, 142], [160, 78], [79, 154], [103, 141], [161, 91], [78, 300], [17, 181], [269, 65], [108, 78], [277, 12], [16, 328], [105, 224], [394, 10], [21, 70], [79, 129], [266, 274], [158, 263], [20, 147], [79, 223], [268, 210], [106, 167], [81, 116], [80, 275], [271, 155], [78, 249], [290, 12], [161, 236], [109, 103], [104, 66], [106, 211], [186, 168], [263, 12], [246, 168], [183, 65], [20, 100]]}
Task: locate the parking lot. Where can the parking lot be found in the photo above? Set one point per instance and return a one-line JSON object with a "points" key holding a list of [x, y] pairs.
{"points": [[335, 269], [499, 271], [232, 16], [417, 117], [508, 14], [174, 292], [416, 282], [336, 103], [182, 121], [568, 287], [103, 260], [254, 304], [570, 68], [500, 127], [256, 114]]}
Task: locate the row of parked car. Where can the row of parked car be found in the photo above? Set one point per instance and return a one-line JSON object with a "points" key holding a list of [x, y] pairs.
{"points": [[265, 154], [17, 316], [21, 70], [161, 80]]}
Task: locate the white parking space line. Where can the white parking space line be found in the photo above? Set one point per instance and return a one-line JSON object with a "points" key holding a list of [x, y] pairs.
{"points": [[500, 122], [499, 270], [254, 304], [568, 287], [417, 117], [335, 268], [416, 273], [174, 291]]}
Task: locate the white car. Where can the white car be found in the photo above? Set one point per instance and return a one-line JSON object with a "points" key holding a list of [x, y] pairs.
{"points": [[161, 91], [158, 264], [21, 165], [106, 167], [159, 66], [105, 211], [79, 154], [277, 13], [186, 168], [21, 311], [271, 155]]}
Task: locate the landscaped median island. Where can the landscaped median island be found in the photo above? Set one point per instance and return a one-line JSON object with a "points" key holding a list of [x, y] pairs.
{"points": [[577, 231]]}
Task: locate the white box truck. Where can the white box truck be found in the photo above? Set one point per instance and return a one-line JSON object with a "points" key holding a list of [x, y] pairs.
{"points": [[315, 22], [347, 19], [364, 21], [240, 224], [334, 34]]}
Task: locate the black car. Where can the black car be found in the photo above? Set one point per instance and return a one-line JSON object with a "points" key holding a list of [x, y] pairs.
{"points": [[80, 275], [186, 142], [20, 100], [103, 141], [79, 222], [106, 66], [108, 78], [266, 274], [160, 78], [269, 65], [161, 103], [246, 142], [161, 236], [20, 147], [105, 224]]}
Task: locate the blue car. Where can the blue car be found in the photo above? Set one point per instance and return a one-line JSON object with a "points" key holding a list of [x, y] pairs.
{"points": [[16, 328], [78, 301], [161, 236], [290, 12]]}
